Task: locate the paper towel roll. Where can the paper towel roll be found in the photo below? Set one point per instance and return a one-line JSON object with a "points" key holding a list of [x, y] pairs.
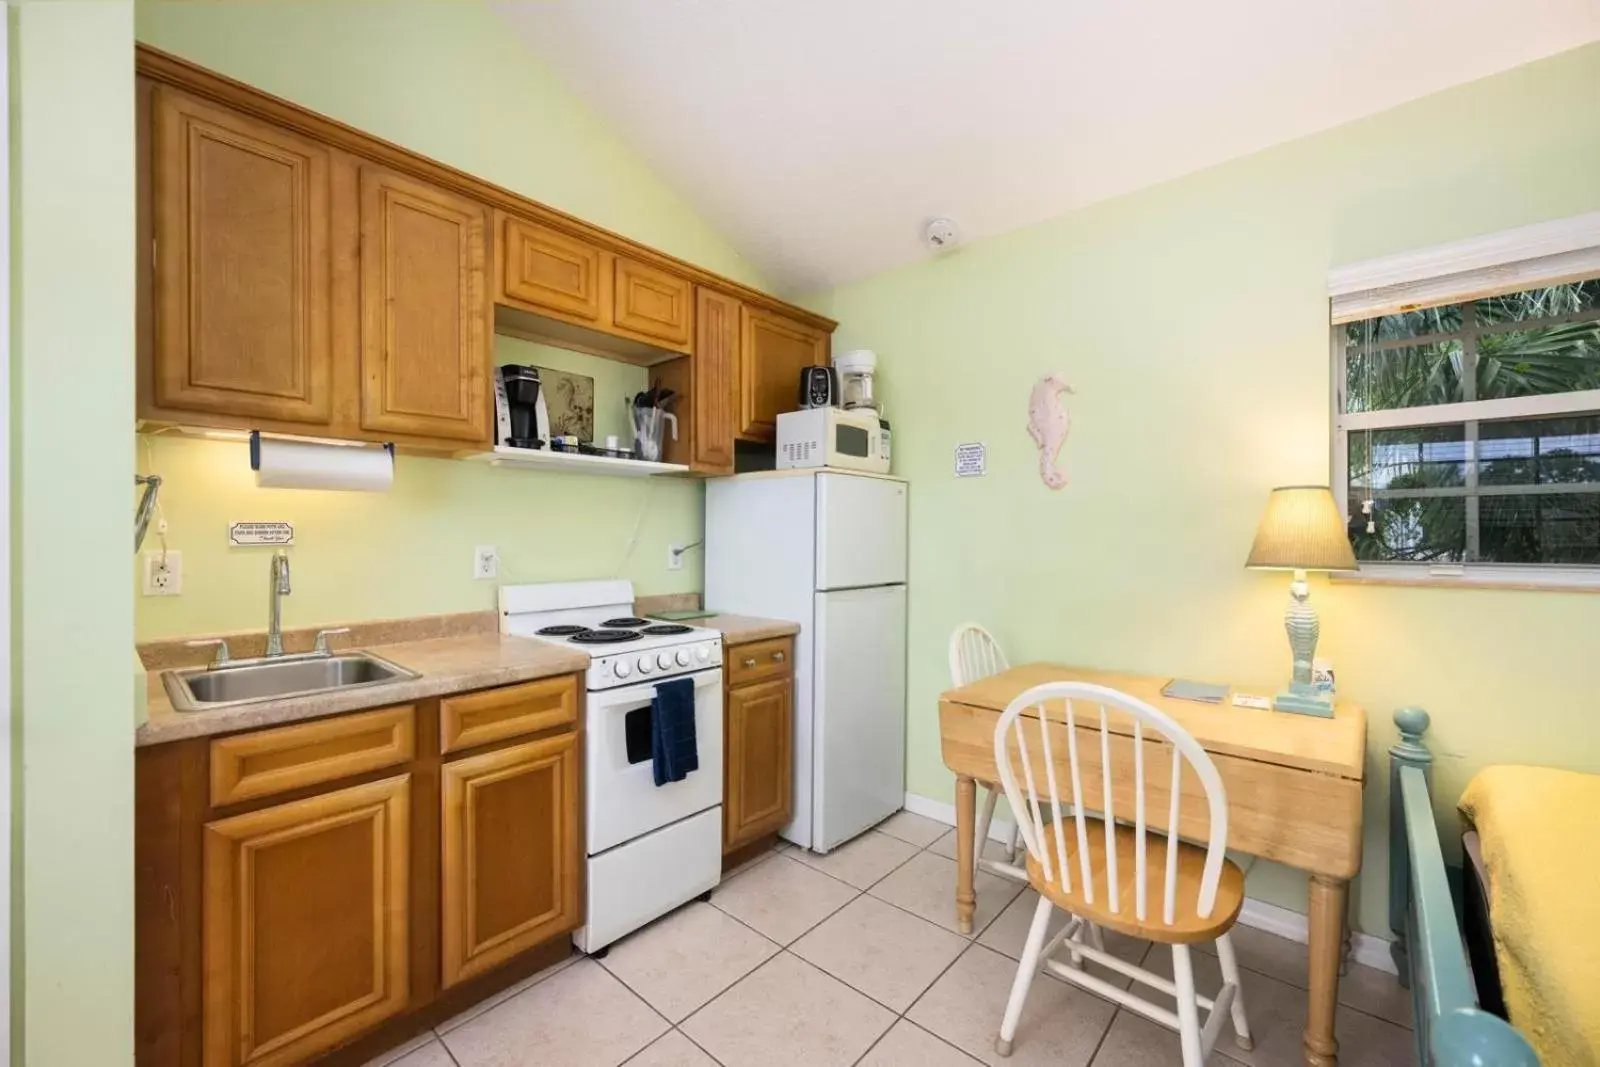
{"points": [[288, 464]]}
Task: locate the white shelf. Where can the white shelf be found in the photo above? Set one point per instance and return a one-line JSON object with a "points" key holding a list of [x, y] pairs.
{"points": [[575, 462]]}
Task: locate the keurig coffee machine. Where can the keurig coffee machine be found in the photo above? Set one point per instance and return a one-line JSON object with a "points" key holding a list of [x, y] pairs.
{"points": [[521, 418]]}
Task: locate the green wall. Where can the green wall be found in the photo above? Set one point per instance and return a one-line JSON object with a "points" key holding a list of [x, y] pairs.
{"points": [[448, 80], [71, 431], [1192, 320]]}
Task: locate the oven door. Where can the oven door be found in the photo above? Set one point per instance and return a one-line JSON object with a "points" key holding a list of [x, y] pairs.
{"points": [[623, 798]]}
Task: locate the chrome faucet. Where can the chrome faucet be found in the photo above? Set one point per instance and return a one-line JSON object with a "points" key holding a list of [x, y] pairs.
{"points": [[277, 589]]}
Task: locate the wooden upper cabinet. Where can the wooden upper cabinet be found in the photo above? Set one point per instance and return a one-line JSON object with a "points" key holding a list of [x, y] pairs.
{"points": [[512, 853], [425, 335], [549, 271], [714, 388], [650, 303], [772, 350], [241, 298], [306, 912], [758, 771]]}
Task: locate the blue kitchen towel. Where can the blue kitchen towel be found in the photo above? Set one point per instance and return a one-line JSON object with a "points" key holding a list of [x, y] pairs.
{"points": [[672, 746]]}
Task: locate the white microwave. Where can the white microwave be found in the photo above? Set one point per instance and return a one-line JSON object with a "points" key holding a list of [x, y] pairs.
{"points": [[833, 437]]}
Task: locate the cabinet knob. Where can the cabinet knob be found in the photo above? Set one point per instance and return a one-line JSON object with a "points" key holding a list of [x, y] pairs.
{"points": [[778, 656], [750, 662]]}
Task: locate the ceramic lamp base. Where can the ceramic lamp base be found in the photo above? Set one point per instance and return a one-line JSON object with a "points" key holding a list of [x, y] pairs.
{"points": [[1303, 701]]}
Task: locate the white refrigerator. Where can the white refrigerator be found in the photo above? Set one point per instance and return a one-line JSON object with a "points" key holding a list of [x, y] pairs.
{"points": [[826, 549]]}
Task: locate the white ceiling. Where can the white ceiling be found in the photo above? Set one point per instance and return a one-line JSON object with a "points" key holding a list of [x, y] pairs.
{"points": [[820, 135]]}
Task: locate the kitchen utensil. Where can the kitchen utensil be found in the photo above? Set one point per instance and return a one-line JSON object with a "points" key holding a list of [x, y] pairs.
{"points": [[647, 420]]}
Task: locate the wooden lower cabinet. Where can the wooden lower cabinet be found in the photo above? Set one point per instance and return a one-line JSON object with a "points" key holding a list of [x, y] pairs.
{"points": [[307, 923], [363, 888], [758, 755], [510, 840]]}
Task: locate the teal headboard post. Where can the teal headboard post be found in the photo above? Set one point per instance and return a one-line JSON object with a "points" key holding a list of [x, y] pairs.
{"points": [[1409, 751]]}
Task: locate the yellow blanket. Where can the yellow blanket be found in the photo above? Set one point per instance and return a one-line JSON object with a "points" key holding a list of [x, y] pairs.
{"points": [[1540, 834]]}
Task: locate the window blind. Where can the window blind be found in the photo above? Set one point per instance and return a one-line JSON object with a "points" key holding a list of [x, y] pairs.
{"points": [[1547, 253]]}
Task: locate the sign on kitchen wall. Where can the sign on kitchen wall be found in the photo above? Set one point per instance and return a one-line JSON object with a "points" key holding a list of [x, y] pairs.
{"points": [[261, 533], [972, 460]]}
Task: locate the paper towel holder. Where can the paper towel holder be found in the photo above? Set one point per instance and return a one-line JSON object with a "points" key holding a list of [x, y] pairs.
{"points": [[255, 445]]}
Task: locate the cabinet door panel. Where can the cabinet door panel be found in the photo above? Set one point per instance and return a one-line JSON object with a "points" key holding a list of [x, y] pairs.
{"points": [[551, 271], [242, 300], [424, 319], [291, 972], [512, 853], [773, 350], [759, 773], [714, 376], [652, 303]]}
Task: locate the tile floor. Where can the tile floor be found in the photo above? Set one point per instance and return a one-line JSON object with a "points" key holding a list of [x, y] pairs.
{"points": [[853, 959]]}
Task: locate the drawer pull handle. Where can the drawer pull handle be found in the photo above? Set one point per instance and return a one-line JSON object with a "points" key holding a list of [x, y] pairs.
{"points": [[750, 663], [778, 656]]}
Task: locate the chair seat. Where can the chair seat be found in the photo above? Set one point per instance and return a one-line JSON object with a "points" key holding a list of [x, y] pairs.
{"points": [[1187, 925]]}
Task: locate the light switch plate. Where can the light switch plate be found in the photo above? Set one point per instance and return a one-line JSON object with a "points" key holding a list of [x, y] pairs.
{"points": [[163, 573], [485, 562]]}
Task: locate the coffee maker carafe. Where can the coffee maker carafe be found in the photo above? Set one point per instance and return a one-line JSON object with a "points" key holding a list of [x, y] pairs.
{"points": [[521, 417]]}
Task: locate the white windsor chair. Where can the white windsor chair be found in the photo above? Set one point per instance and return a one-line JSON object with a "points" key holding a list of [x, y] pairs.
{"points": [[1108, 873], [974, 655]]}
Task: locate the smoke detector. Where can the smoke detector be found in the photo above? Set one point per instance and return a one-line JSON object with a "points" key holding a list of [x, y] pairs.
{"points": [[941, 234]]}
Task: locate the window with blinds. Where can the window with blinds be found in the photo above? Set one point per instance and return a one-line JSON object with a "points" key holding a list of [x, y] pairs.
{"points": [[1467, 433]]}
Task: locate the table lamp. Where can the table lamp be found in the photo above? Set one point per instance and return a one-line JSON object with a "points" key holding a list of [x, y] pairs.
{"points": [[1302, 531]]}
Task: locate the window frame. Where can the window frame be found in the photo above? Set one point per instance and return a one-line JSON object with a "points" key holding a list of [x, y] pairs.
{"points": [[1505, 575]]}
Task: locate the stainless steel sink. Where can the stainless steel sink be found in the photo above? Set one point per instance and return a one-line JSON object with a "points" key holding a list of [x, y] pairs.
{"points": [[249, 681]]}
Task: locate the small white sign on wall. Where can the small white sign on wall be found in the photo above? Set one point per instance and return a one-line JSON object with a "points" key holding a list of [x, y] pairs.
{"points": [[972, 460], [261, 533]]}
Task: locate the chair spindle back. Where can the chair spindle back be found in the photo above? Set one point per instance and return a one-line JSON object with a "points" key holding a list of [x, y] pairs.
{"points": [[1054, 856], [974, 654]]}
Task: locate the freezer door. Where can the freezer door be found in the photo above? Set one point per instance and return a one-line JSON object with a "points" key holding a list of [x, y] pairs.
{"points": [[861, 531], [859, 715]]}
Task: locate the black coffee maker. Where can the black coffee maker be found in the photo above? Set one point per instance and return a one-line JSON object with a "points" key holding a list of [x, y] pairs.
{"points": [[520, 408]]}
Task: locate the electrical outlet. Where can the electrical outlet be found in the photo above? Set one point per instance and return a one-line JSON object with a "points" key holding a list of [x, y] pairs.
{"points": [[675, 557], [485, 562], [163, 573]]}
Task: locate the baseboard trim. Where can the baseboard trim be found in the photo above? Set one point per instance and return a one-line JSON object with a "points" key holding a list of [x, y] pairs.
{"points": [[1365, 949]]}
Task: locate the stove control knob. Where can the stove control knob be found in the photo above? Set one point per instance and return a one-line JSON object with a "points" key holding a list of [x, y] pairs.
{"points": [[623, 670], [664, 660], [702, 653], [683, 658], [645, 665]]}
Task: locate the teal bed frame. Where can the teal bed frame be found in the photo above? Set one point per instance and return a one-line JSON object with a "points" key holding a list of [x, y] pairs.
{"points": [[1451, 1030]]}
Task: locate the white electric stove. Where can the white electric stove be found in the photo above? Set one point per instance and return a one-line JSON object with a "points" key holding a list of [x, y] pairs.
{"points": [[650, 848]]}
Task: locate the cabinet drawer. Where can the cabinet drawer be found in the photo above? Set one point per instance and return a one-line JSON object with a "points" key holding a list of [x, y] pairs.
{"points": [[549, 271], [496, 714], [293, 757], [652, 303], [759, 661]]}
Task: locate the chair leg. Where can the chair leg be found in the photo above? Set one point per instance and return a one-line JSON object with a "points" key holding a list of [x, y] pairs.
{"points": [[1188, 1007], [1096, 939], [1230, 975], [1026, 969], [991, 791]]}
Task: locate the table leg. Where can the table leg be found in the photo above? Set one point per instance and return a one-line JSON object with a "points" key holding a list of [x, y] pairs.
{"points": [[966, 816], [1328, 899]]}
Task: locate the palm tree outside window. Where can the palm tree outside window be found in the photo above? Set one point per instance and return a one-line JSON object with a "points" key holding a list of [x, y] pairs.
{"points": [[1468, 434]]}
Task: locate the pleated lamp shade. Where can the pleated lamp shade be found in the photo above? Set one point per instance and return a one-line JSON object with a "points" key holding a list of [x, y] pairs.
{"points": [[1302, 530]]}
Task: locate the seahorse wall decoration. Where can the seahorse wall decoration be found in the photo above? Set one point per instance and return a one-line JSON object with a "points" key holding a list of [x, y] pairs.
{"points": [[1049, 422]]}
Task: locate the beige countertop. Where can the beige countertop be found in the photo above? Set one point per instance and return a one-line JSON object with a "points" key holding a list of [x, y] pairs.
{"points": [[740, 629], [454, 663], [446, 665]]}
